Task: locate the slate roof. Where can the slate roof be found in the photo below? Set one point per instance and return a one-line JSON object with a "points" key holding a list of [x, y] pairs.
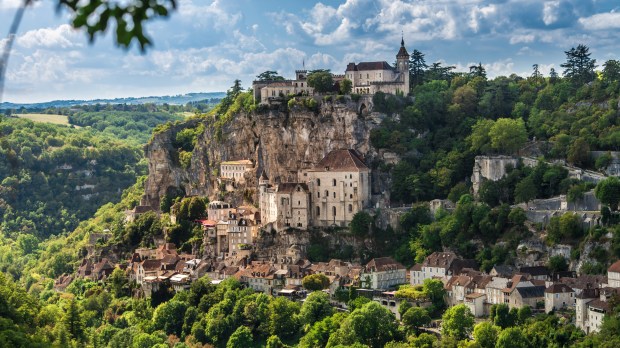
{"points": [[535, 271], [342, 160], [601, 305], [439, 259], [369, 66], [402, 52], [504, 270], [558, 288], [382, 264], [531, 291]]}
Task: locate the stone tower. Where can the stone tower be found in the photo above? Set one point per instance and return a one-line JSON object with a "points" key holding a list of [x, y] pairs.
{"points": [[402, 65]]}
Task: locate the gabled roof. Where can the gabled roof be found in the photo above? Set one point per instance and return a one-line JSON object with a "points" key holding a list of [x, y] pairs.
{"points": [[558, 288], [535, 270], [151, 265], [341, 160], [439, 259], [531, 291], [382, 264], [600, 305], [615, 267]]}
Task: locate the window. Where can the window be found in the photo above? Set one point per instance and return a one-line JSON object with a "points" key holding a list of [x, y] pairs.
{"points": [[334, 194], [318, 194], [318, 182], [326, 193], [367, 76], [333, 182], [302, 84], [334, 211], [318, 211], [350, 208]]}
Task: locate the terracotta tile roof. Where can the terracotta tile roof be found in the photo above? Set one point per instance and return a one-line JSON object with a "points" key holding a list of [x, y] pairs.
{"points": [[341, 160], [615, 267], [416, 267], [558, 288]]}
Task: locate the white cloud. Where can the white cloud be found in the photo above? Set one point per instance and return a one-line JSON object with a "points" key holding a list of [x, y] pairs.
{"points": [[522, 38], [45, 67], [63, 36], [601, 21], [550, 12], [10, 4], [212, 15]]}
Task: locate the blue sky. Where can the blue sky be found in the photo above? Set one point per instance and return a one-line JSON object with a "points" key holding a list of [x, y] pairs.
{"points": [[207, 44]]}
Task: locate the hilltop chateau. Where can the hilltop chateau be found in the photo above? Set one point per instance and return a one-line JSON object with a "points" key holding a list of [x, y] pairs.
{"points": [[366, 77]]}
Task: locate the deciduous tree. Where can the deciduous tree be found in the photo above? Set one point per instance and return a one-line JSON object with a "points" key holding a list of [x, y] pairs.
{"points": [[457, 322]]}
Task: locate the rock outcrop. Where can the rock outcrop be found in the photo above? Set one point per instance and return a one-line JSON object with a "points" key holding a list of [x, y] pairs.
{"points": [[279, 142]]}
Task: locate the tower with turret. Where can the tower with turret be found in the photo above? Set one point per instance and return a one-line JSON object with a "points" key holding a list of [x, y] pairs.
{"points": [[402, 65]]}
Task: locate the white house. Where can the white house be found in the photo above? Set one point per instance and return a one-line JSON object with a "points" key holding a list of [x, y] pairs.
{"points": [[383, 273]]}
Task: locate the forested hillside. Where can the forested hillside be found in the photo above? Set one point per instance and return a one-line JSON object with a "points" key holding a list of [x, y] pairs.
{"points": [[55, 176]]}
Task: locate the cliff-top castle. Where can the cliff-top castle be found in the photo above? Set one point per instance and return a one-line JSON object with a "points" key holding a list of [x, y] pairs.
{"points": [[366, 77]]}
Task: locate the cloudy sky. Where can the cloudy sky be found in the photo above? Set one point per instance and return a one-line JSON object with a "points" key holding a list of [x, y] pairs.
{"points": [[207, 44]]}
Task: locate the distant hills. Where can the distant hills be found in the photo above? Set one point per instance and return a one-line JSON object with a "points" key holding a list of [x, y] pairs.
{"points": [[180, 99]]}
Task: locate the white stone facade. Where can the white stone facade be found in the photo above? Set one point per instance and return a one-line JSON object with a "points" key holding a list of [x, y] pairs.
{"points": [[339, 187], [235, 169]]}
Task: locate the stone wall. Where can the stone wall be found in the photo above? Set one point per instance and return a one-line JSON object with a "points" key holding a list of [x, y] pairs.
{"points": [[490, 168]]}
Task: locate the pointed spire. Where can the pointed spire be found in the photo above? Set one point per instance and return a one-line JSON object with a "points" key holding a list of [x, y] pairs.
{"points": [[402, 39]]}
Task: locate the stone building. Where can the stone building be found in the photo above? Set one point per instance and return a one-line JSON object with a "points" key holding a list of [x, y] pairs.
{"points": [[218, 210], [284, 205], [265, 91], [366, 78], [373, 77], [235, 169], [241, 234], [559, 296], [613, 275], [292, 201], [383, 273], [339, 187]]}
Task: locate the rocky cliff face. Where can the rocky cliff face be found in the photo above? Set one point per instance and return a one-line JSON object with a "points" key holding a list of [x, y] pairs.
{"points": [[279, 142]]}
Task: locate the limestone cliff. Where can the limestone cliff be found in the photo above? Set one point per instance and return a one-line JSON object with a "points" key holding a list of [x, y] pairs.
{"points": [[279, 141]]}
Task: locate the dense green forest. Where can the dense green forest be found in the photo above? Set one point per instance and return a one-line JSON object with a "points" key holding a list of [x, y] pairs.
{"points": [[52, 176], [449, 118]]}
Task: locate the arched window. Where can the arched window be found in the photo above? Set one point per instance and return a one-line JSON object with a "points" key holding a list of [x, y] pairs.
{"points": [[334, 182], [350, 208], [318, 194], [334, 194], [318, 211], [318, 182], [334, 211], [326, 193]]}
